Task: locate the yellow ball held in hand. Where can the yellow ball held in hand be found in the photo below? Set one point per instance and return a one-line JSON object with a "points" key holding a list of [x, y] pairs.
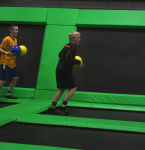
{"points": [[23, 50], [78, 58]]}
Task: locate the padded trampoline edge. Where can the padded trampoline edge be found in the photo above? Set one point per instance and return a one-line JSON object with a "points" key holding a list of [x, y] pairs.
{"points": [[111, 18], [19, 92], [92, 97], [54, 16], [16, 146], [5, 120], [26, 15], [104, 124]]}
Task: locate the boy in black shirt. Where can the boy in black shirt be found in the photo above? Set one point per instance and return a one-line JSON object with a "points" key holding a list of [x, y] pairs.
{"points": [[64, 76]]}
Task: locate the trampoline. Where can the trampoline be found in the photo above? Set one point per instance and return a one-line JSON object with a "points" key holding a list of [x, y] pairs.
{"points": [[28, 124], [74, 138], [103, 114]]}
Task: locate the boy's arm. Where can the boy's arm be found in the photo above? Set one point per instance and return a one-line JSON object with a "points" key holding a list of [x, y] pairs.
{"points": [[2, 51], [3, 46], [69, 57]]}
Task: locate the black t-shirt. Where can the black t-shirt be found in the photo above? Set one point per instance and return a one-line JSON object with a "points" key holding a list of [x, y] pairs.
{"points": [[67, 58]]}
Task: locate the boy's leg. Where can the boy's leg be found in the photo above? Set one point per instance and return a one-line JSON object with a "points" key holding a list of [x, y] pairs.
{"points": [[13, 82], [4, 75], [11, 86], [58, 94], [14, 75], [2, 83], [66, 99], [70, 93]]}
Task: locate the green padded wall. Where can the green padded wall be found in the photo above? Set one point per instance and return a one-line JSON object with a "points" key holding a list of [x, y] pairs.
{"points": [[94, 123], [4, 120], [54, 40], [23, 15], [19, 92], [62, 16], [45, 95], [111, 18], [91, 97]]}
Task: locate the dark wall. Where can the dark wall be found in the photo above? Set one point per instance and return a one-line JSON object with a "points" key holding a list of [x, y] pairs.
{"points": [[114, 61], [32, 37], [87, 4]]}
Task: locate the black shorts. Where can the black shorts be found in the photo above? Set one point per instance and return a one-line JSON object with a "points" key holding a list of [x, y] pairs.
{"points": [[65, 80]]}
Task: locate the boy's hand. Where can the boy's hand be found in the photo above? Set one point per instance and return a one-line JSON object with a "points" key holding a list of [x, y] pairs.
{"points": [[81, 64], [10, 53]]}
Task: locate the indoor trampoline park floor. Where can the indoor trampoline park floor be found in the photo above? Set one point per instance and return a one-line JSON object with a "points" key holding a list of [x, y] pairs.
{"points": [[25, 124]]}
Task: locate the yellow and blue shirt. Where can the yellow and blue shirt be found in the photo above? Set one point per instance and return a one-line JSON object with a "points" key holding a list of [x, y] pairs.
{"points": [[6, 44]]}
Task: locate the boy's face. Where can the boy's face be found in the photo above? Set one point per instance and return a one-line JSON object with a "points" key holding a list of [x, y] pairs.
{"points": [[14, 31], [77, 40]]}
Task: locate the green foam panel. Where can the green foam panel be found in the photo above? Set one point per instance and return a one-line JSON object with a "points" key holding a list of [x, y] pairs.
{"points": [[25, 109], [105, 106], [109, 98], [83, 122], [111, 18], [54, 40], [16, 146], [13, 115], [94, 105], [23, 15], [92, 97], [19, 92], [99, 106], [62, 16], [35, 103], [4, 120], [19, 100], [45, 94]]}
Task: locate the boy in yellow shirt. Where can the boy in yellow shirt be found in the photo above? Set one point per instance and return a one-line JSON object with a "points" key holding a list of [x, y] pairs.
{"points": [[8, 60]]}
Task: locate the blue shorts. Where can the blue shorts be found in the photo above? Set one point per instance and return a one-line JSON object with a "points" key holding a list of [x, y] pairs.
{"points": [[7, 73]]}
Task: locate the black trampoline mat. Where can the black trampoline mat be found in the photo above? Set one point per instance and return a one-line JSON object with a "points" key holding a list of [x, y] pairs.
{"points": [[78, 138], [103, 114], [3, 104]]}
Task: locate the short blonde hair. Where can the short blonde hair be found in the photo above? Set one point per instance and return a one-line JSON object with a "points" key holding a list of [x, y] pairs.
{"points": [[73, 34], [12, 26]]}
